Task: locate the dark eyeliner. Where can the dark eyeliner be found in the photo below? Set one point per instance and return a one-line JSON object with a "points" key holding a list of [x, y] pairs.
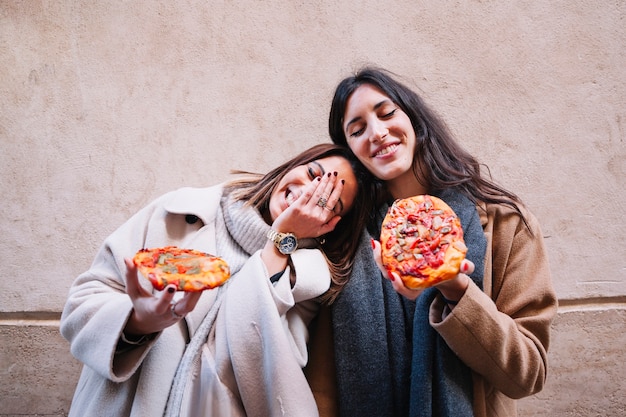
{"points": [[320, 167], [391, 113], [357, 133]]}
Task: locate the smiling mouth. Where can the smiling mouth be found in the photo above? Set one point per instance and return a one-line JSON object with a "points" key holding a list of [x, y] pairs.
{"points": [[290, 197], [386, 150]]}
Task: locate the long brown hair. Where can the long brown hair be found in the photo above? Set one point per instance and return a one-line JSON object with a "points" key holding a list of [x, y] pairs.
{"points": [[340, 245], [439, 162]]}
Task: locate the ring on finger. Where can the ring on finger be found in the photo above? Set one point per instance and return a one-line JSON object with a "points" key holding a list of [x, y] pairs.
{"points": [[173, 311], [322, 202], [331, 209]]}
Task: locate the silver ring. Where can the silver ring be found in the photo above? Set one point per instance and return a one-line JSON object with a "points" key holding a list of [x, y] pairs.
{"points": [[173, 311], [332, 210], [322, 202]]}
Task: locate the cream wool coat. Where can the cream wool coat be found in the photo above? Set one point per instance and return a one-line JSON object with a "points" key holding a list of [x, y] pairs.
{"points": [[502, 334], [261, 328]]}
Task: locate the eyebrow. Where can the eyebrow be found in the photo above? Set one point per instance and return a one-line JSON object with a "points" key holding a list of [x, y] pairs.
{"points": [[323, 172], [376, 107]]}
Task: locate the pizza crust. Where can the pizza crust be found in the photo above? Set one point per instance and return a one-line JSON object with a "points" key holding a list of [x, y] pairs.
{"points": [[422, 241]]}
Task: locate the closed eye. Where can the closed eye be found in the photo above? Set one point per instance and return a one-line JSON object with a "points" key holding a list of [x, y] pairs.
{"points": [[357, 132], [389, 115], [383, 105], [313, 172]]}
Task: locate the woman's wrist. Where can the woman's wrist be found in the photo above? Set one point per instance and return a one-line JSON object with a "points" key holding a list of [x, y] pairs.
{"points": [[452, 291], [449, 302], [133, 339], [272, 258]]}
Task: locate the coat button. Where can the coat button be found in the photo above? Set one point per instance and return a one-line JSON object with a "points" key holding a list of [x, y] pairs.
{"points": [[191, 219]]}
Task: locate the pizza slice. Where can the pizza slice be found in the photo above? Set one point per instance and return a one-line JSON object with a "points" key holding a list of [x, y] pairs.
{"points": [[188, 269], [422, 241]]}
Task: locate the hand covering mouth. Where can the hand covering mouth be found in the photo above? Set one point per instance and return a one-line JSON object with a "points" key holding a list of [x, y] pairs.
{"points": [[290, 197]]}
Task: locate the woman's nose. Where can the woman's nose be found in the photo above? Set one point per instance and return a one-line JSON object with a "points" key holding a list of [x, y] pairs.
{"points": [[378, 132]]}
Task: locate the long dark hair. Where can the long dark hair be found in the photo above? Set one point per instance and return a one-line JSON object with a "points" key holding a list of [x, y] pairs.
{"points": [[439, 162], [340, 245]]}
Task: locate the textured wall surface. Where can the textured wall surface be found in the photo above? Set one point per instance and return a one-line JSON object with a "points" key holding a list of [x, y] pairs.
{"points": [[106, 105]]}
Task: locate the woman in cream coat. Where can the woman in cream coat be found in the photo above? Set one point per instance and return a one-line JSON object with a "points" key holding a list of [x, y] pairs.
{"points": [[233, 351]]}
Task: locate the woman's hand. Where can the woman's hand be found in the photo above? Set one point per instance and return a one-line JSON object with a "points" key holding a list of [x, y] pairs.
{"points": [[152, 314], [454, 289], [307, 217], [451, 289]]}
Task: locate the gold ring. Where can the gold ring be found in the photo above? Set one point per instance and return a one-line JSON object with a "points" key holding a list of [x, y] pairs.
{"points": [[322, 202], [174, 313]]}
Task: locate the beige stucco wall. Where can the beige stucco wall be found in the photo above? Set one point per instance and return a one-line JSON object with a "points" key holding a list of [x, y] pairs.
{"points": [[106, 105]]}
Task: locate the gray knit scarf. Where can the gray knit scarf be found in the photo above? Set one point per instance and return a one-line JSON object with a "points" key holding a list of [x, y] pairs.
{"points": [[240, 231], [389, 360]]}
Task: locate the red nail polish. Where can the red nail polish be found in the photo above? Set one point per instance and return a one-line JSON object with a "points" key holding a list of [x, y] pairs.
{"points": [[373, 243], [335, 173], [343, 181], [171, 290]]}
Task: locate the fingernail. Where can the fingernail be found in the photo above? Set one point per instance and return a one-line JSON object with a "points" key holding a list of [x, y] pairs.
{"points": [[373, 243], [328, 175], [318, 178], [391, 277], [171, 290], [335, 173], [343, 181], [464, 268]]}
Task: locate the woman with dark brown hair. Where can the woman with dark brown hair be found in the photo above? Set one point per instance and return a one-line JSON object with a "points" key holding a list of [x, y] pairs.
{"points": [[470, 345]]}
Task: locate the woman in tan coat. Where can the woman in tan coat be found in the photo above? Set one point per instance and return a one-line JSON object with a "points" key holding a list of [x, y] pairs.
{"points": [[237, 350], [469, 346]]}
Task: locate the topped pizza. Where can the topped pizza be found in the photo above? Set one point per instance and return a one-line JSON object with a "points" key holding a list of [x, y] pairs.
{"points": [[188, 269], [422, 241]]}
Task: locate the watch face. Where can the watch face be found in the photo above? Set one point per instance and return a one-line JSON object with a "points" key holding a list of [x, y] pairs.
{"points": [[287, 244]]}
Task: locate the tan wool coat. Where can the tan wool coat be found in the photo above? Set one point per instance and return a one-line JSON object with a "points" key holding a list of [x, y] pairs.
{"points": [[502, 334]]}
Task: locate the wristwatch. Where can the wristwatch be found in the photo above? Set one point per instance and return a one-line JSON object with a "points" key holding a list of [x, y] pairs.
{"points": [[286, 243]]}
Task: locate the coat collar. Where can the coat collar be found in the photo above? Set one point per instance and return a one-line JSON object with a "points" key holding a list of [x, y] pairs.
{"points": [[199, 202]]}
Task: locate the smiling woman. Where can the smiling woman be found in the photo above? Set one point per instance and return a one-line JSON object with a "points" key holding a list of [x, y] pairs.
{"points": [[288, 239], [381, 135], [423, 352], [289, 189]]}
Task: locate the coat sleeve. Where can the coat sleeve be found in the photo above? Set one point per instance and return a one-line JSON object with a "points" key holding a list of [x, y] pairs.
{"points": [[266, 333], [297, 306], [97, 307], [505, 337]]}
